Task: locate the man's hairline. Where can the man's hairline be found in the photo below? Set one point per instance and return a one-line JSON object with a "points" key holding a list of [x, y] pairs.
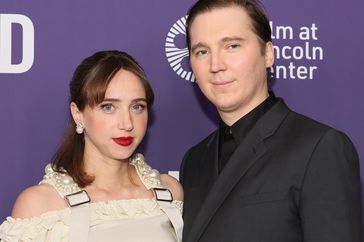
{"points": [[261, 41]]}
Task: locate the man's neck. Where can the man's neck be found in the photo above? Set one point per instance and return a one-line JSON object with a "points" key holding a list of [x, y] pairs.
{"points": [[230, 117]]}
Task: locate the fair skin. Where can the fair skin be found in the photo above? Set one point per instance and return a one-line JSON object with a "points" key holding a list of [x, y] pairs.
{"points": [[228, 62], [123, 113]]}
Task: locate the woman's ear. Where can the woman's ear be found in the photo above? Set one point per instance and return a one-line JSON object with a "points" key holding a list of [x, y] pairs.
{"points": [[76, 113]]}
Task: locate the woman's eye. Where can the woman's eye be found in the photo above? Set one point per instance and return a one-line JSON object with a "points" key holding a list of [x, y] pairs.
{"points": [[107, 107], [138, 107]]}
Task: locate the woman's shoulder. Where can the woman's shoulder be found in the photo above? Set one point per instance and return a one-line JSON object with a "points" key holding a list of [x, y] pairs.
{"points": [[151, 178], [37, 200], [34, 216], [173, 185]]}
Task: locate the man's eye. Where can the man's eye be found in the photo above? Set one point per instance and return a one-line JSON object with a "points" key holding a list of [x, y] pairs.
{"points": [[138, 107], [107, 107], [201, 52], [233, 46]]}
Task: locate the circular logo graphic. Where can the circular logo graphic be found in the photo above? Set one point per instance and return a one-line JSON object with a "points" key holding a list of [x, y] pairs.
{"points": [[175, 55]]}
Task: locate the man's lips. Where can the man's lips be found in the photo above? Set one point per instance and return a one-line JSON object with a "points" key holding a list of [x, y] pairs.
{"points": [[124, 141], [221, 83]]}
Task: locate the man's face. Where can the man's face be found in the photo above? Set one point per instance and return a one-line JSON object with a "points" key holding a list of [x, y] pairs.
{"points": [[228, 61]]}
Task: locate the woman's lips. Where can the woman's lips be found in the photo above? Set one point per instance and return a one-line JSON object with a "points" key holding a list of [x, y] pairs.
{"points": [[124, 141]]}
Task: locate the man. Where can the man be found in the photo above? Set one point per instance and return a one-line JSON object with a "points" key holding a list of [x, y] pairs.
{"points": [[267, 174]]}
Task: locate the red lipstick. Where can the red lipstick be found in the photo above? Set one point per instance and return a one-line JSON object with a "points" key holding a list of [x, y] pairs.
{"points": [[124, 141]]}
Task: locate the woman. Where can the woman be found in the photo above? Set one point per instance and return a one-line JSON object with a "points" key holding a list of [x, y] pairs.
{"points": [[96, 189]]}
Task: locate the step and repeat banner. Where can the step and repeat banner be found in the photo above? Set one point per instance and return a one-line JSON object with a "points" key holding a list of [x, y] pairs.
{"points": [[319, 72]]}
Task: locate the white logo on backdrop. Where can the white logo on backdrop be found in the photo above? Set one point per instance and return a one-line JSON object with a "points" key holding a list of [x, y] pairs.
{"points": [[296, 51], [6, 23], [176, 55]]}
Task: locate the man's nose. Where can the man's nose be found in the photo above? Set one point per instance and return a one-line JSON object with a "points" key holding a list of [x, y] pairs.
{"points": [[216, 62]]}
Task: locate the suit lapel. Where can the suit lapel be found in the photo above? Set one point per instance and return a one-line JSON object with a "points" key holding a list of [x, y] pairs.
{"points": [[249, 151], [231, 174], [208, 167]]}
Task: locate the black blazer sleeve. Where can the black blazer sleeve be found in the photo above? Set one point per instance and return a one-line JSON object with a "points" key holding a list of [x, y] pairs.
{"points": [[330, 207], [181, 170]]}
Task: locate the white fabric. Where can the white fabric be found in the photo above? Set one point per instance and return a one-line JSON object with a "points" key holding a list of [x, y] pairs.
{"points": [[174, 216], [164, 198], [80, 223], [139, 220]]}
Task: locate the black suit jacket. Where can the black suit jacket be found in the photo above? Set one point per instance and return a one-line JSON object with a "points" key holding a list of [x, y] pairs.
{"points": [[292, 179]]}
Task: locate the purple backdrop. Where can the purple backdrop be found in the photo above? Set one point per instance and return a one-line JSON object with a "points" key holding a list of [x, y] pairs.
{"points": [[319, 65]]}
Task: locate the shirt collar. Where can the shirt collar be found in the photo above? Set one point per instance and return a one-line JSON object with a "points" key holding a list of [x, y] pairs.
{"points": [[241, 127]]}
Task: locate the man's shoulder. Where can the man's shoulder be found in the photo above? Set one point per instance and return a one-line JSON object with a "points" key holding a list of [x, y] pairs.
{"points": [[308, 121], [205, 141], [299, 124], [294, 117], [197, 150], [311, 127]]}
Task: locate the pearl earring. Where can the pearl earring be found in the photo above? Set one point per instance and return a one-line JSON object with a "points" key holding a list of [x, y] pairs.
{"points": [[79, 128]]}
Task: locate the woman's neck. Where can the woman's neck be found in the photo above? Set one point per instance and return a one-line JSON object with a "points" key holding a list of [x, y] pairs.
{"points": [[108, 173]]}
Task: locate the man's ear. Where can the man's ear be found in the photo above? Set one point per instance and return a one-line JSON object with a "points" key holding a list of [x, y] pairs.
{"points": [[269, 54]]}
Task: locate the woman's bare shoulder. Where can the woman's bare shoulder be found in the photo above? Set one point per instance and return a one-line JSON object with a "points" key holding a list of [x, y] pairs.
{"points": [[173, 185], [37, 200]]}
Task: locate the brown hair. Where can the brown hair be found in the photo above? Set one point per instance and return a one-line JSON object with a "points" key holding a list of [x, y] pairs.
{"points": [[255, 10], [87, 88]]}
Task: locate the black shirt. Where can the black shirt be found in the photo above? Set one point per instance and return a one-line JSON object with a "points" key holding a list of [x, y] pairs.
{"points": [[231, 137]]}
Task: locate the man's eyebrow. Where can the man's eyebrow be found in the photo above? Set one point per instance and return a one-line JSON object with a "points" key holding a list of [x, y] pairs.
{"points": [[231, 38], [198, 45], [223, 40]]}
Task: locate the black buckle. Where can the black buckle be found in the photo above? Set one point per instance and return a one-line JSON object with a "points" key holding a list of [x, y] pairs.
{"points": [[72, 203], [157, 189]]}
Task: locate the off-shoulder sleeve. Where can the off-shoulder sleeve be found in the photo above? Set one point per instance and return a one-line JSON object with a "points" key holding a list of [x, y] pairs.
{"points": [[51, 227]]}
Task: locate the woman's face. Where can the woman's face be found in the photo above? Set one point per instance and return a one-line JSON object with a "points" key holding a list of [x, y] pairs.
{"points": [[115, 127]]}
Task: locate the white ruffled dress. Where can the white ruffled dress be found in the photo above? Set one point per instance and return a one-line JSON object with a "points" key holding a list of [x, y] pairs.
{"points": [[134, 220]]}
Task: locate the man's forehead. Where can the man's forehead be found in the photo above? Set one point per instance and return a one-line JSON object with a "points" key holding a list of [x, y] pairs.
{"points": [[232, 15], [220, 24], [211, 13]]}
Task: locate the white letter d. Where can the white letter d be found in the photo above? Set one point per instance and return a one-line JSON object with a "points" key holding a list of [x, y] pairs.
{"points": [[6, 20]]}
